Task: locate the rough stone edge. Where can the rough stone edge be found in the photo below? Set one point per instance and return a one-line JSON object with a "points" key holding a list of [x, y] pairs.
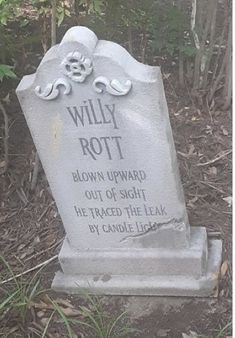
{"points": [[137, 285]]}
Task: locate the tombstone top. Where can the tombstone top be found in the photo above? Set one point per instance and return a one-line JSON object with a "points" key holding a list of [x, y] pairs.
{"points": [[109, 56]]}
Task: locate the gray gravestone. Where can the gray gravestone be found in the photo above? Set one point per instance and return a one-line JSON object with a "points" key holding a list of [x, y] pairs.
{"points": [[100, 124]]}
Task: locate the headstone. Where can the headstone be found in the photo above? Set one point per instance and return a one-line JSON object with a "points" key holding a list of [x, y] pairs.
{"points": [[100, 124]]}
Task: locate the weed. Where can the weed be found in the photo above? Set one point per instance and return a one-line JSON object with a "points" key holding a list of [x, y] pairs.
{"points": [[223, 331], [102, 323], [20, 295], [6, 72], [47, 325], [96, 319]]}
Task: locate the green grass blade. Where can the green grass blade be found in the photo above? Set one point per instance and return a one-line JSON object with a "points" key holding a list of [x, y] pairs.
{"points": [[34, 290], [80, 322], [47, 325], [35, 275], [10, 270], [64, 318], [8, 299], [223, 330], [96, 327], [99, 313], [114, 323]]}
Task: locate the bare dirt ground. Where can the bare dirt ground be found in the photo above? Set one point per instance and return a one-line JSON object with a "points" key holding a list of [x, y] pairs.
{"points": [[31, 230]]}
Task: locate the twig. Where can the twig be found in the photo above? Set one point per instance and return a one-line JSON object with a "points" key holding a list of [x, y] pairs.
{"points": [[210, 47], [53, 42], [200, 45], [193, 23], [227, 92], [30, 270], [219, 211], [220, 76], [217, 158], [45, 211], [43, 251], [53, 22], [171, 85], [6, 136], [35, 172], [213, 187], [218, 54], [20, 192], [6, 218]]}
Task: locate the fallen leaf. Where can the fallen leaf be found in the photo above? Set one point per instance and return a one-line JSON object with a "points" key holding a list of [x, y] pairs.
{"points": [[163, 333], [209, 130], [229, 200], [40, 314], [224, 268], [42, 305], [191, 149], [212, 171], [2, 164], [74, 335], [191, 334], [21, 246], [23, 255], [212, 104], [224, 131], [36, 240], [6, 99], [192, 201], [41, 193], [221, 293], [166, 76], [44, 321], [68, 311], [182, 154], [64, 302]]}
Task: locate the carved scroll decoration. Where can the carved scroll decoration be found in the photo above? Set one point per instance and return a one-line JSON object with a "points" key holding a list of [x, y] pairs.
{"points": [[76, 66], [52, 91], [113, 87]]}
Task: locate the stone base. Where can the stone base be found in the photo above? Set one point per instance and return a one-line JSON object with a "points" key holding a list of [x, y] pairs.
{"points": [[186, 272]]}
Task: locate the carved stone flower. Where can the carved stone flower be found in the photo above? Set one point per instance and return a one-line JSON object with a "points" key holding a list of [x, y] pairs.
{"points": [[76, 66]]}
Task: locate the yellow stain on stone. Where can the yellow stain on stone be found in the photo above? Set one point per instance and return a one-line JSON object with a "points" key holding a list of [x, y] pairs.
{"points": [[56, 127]]}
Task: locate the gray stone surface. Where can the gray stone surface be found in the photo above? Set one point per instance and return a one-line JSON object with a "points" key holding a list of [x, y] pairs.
{"points": [[152, 262], [142, 284], [100, 123]]}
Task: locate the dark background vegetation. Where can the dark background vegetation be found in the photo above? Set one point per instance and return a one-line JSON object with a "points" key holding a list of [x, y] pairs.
{"points": [[191, 41]]}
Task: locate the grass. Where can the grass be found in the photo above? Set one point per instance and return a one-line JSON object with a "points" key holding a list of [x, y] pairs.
{"points": [[96, 320], [101, 323], [91, 319], [20, 296], [224, 330]]}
